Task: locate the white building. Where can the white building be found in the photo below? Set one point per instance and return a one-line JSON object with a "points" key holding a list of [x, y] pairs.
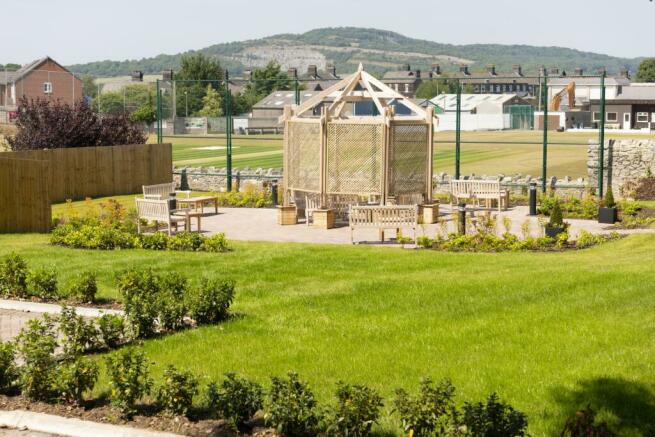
{"points": [[478, 111]]}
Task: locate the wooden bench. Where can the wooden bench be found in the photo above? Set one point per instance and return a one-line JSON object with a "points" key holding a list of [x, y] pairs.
{"points": [[383, 217], [161, 191], [477, 190], [158, 211]]}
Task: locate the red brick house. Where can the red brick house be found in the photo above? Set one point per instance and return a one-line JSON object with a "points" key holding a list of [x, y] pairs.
{"points": [[43, 78]]}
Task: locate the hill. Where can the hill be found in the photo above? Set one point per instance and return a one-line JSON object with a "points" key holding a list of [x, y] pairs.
{"points": [[378, 50]]}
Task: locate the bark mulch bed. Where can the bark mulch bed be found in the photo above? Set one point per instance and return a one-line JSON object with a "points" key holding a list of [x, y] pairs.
{"points": [[100, 411]]}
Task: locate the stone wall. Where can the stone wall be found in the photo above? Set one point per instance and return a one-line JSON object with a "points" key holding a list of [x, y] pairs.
{"points": [[625, 160]]}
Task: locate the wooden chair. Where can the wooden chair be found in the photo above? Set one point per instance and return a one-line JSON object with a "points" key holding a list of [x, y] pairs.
{"points": [[158, 211], [161, 191], [311, 205]]}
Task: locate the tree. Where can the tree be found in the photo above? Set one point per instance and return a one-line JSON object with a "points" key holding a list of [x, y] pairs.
{"points": [[10, 67], [211, 103], [89, 87], [198, 72], [432, 88], [646, 71], [264, 81]]}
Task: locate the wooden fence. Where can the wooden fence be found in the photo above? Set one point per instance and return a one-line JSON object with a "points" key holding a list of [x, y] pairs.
{"points": [[24, 198], [38, 177]]}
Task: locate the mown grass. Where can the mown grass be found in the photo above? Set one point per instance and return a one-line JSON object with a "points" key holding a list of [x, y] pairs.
{"points": [[513, 154], [548, 332]]}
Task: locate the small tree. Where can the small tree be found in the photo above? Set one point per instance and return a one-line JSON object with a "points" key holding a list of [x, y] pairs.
{"points": [[211, 103], [646, 71], [608, 201], [556, 219]]}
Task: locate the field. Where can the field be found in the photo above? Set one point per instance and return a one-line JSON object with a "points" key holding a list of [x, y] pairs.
{"points": [[511, 156], [549, 332]]}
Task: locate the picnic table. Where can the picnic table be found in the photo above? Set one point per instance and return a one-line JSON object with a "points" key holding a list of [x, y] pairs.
{"points": [[188, 214], [198, 203]]}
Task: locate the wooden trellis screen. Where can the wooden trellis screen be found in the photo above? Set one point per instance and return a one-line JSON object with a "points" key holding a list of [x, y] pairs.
{"points": [[30, 181]]}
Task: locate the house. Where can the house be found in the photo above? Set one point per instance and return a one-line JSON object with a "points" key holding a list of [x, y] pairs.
{"points": [[587, 88], [44, 78], [404, 81], [491, 82], [632, 108], [484, 111], [315, 79], [266, 113]]}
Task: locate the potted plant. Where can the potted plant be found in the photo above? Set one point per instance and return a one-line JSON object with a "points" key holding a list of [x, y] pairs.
{"points": [[555, 225], [607, 211]]}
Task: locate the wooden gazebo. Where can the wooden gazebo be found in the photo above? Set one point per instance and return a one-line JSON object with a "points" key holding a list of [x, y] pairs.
{"points": [[338, 148]]}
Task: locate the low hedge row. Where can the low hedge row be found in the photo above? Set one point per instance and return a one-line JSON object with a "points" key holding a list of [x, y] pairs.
{"points": [[84, 234], [18, 281]]}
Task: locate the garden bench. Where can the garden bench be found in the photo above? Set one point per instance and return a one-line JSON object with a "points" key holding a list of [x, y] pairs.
{"points": [[383, 217], [477, 190], [158, 211], [162, 191]]}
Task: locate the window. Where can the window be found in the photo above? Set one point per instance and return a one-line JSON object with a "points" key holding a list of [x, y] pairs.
{"points": [[612, 117], [406, 87], [596, 116], [47, 87], [642, 117]]}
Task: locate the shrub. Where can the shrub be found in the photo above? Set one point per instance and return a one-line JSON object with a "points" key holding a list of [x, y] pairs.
{"points": [[36, 347], [185, 241], [494, 418], [78, 335], [112, 330], [176, 392], [83, 288], [292, 407], [584, 424], [172, 304], [211, 300], [424, 242], [236, 399], [427, 412], [13, 275], [608, 201], [46, 124], [139, 290], [556, 220], [154, 241], [8, 369], [42, 283], [74, 378], [215, 243], [128, 378], [357, 409]]}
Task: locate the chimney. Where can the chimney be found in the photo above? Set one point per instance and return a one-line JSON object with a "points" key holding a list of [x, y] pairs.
{"points": [[405, 67], [247, 74], [331, 69], [579, 71], [137, 76], [293, 73], [418, 74], [464, 69], [602, 70], [625, 73], [167, 75], [491, 69], [312, 71], [436, 69], [518, 71]]}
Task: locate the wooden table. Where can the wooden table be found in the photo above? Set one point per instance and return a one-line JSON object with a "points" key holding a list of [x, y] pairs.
{"points": [[199, 202], [188, 214]]}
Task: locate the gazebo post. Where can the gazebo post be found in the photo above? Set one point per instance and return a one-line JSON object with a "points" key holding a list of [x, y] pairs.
{"points": [[287, 214], [385, 154], [429, 115], [323, 158]]}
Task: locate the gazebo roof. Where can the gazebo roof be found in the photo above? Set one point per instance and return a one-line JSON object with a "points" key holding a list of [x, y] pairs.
{"points": [[359, 87]]}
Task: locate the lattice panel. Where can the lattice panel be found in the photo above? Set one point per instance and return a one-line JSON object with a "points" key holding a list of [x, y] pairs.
{"points": [[354, 158], [304, 159], [408, 159]]}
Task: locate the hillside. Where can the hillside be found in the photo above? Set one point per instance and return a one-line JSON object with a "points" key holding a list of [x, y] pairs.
{"points": [[379, 50]]}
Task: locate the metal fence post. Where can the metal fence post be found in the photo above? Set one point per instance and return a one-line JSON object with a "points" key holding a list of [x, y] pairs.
{"points": [[544, 163], [458, 129], [228, 130], [159, 114], [296, 88], [601, 138]]}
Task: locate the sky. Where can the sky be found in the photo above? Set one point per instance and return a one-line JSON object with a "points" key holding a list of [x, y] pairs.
{"points": [[77, 31]]}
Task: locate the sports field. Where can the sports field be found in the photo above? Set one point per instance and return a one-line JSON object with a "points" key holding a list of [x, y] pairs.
{"points": [[513, 152]]}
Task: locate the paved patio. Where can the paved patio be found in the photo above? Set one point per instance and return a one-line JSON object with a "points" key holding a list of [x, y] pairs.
{"points": [[260, 224]]}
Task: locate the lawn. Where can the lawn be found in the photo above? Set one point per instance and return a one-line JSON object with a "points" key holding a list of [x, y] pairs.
{"points": [[512, 156], [549, 332]]}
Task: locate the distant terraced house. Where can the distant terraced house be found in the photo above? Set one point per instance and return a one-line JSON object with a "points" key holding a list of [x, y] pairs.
{"points": [[44, 78]]}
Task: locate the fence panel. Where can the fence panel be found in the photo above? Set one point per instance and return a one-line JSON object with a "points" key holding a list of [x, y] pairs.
{"points": [[24, 195]]}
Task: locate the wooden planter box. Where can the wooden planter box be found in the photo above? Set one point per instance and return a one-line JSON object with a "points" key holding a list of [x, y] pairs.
{"points": [[428, 213], [323, 218], [287, 215]]}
